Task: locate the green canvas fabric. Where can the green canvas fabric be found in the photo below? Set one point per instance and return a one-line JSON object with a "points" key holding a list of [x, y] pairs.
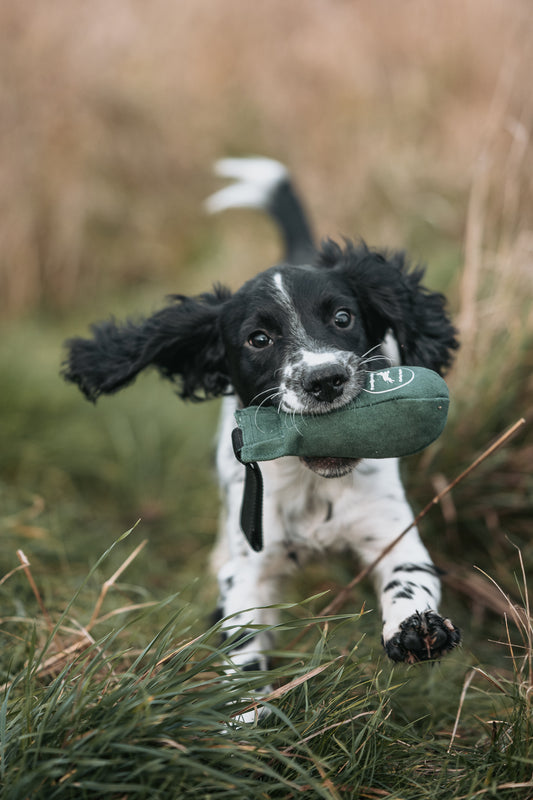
{"points": [[400, 411]]}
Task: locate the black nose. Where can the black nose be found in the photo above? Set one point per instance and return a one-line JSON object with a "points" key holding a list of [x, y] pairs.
{"points": [[326, 383]]}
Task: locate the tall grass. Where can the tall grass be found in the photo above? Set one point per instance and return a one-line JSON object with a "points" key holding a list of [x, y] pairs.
{"points": [[85, 714], [112, 116], [409, 134]]}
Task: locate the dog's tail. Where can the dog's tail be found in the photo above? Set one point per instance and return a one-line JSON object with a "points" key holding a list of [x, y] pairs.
{"points": [[265, 184]]}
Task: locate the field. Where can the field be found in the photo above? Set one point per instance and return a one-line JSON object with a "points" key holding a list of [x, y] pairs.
{"points": [[406, 124]]}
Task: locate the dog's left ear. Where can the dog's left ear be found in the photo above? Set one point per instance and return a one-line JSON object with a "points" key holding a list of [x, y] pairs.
{"points": [[392, 298], [182, 341]]}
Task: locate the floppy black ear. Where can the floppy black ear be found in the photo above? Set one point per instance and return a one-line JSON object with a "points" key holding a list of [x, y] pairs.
{"points": [[392, 297], [182, 341]]}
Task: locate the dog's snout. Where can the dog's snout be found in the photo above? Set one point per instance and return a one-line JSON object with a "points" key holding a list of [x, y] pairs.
{"points": [[327, 383]]}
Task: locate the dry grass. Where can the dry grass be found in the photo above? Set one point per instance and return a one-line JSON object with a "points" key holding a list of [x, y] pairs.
{"points": [[92, 717], [111, 116], [407, 123]]}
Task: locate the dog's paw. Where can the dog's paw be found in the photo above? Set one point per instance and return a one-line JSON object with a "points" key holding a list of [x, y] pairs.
{"points": [[424, 636]]}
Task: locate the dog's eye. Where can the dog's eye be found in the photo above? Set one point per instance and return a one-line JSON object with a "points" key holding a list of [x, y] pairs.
{"points": [[259, 340], [342, 318]]}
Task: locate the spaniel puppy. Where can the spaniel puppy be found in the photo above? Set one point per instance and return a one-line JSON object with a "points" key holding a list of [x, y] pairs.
{"points": [[297, 336]]}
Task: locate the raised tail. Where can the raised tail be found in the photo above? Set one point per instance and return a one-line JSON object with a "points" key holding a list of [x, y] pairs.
{"points": [[265, 184]]}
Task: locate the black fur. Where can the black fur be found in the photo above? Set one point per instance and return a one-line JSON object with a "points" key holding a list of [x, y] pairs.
{"points": [[391, 296], [199, 343], [182, 341]]}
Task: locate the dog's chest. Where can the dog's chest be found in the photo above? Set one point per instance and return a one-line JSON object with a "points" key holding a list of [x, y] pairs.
{"points": [[316, 512]]}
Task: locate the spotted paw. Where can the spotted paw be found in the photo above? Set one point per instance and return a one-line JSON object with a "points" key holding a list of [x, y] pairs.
{"points": [[423, 637]]}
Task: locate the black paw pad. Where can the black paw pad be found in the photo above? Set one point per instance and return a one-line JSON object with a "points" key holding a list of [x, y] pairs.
{"points": [[423, 637]]}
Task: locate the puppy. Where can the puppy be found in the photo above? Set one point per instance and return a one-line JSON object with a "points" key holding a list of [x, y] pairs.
{"points": [[298, 336]]}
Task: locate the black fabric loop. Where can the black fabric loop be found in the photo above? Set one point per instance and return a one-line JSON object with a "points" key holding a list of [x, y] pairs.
{"points": [[252, 500]]}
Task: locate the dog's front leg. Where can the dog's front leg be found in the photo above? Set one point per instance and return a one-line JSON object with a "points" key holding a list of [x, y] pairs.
{"points": [[249, 585], [245, 595], [406, 580], [248, 581], [409, 590]]}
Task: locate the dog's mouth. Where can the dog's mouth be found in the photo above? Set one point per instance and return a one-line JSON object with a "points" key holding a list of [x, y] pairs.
{"points": [[329, 466]]}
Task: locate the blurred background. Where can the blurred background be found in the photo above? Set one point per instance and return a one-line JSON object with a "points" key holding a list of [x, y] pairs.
{"points": [[408, 124]]}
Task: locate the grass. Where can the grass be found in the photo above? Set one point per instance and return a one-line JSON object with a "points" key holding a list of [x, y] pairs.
{"points": [[110, 687], [128, 697], [121, 692], [87, 714], [113, 680]]}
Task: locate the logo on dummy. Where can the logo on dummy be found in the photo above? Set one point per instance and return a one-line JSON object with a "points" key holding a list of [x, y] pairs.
{"points": [[389, 380]]}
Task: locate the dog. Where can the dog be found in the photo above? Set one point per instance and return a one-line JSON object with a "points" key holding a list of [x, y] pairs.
{"points": [[297, 336]]}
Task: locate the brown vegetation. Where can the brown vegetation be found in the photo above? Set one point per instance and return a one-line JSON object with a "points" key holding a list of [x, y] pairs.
{"points": [[390, 114]]}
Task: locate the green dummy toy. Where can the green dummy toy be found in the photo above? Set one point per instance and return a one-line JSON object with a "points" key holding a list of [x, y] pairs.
{"points": [[399, 411]]}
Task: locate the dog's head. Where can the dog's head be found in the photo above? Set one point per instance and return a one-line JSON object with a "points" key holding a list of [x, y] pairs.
{"points": [[298, 338]]}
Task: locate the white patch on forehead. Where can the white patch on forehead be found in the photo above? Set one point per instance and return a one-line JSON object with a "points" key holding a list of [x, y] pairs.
{"points": [[295, 329], [286, 301], [278, 280]]}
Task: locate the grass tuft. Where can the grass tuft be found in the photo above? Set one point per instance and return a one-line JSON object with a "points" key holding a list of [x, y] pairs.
{"points": [[110, 685], [86, 715]]}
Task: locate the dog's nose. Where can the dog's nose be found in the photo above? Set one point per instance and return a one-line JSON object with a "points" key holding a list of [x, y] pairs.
{"points": [[326, 383]]}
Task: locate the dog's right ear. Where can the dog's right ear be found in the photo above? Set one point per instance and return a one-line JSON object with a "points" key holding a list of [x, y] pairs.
{"points": [[181, 340]]}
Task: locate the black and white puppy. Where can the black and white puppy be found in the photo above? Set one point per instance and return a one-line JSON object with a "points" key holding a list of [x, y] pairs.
{"points": [[298, 336]]}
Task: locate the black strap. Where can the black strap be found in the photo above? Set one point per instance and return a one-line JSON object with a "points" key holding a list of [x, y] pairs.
{"points": [[252, 499]]}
